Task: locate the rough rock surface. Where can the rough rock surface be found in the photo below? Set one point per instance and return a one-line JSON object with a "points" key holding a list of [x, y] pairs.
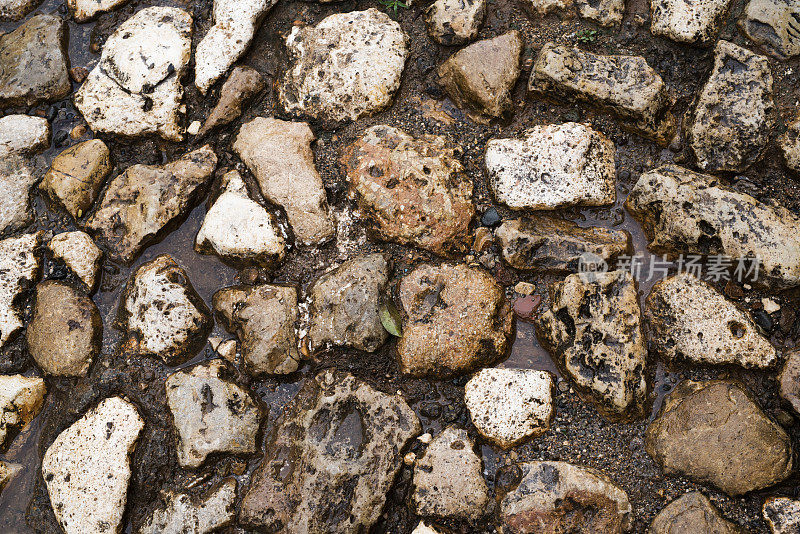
{"points": [[782, 515], [240, 229], [33, 63], [551, 167], [544, 7], [136, 88], [16, 9], [789, 380], [774, 25], [481, 76], [455, 22], [605, 12], [448, 478], [790, 145], [66, 331], [683, 212], [689, 319], [139, 203], [509, 406], [414, 190], [347, 66], [84, 10], [561, 497], [539, 243], [212, 413], [687, 21], [155, 288], [422, 528], [19, 270], [593, 331], [624, 85], [182, 515], [21, 400], [692, 512], [279, 154], [714, 433], [87, 468], [243, 84], [264, 318], [76, 176], [455, 319], [331, 460], [23, 134], [79, 254]]}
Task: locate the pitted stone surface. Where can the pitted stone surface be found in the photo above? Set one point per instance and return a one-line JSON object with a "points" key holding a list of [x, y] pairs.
{"points": [[85, 10], [692, 512], [688, 21], [782, 515], [16, 9], [21, 400], [79, 254], [19, 270], [774, 25], [454, 22], [184, 515]]}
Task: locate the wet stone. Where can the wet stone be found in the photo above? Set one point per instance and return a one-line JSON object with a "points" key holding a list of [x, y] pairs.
{"points": [[414, 190], [789, 381], [714, 433], [561, 497], [774, 25], [448, 478], [8, 472], [76, 176], [21, 400], [79, 254], [782, 515], [19, 270], [455, 22], [23, 134], [607, 13], [16, 9], [455, 320], [790, 144], [264, 318], [593, 332], [551, 167], [687, 21], [692, 512], [242, 85], [344, 439], [185, 515], [85, 10]]}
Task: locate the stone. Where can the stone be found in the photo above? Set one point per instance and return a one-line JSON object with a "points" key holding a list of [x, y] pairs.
{"points": [[21, 400], [422, 528], [86, 10], [684, 212], [344, 304], [76, 176], [624, 85], [546, 244], [686, 21], [561, 497], [789, 381], [185, 515], [690, 320], [79, 254], [790, 144], [593, 331], [141, 202], [162, 314], [8, 472], [713, 432], [481, 76], [87, 468], [242, 85], [136, 88], [730, 125], [23, 135], [264, 318], [448, 478], [545, 7], [782, 515], [510, 406], [413, 190], [340, 437], [774, 25], [33, 63], [455, 22], [455, 320], [552, 166], [14, 10], [235, 24], [607, 13], [279, 154], [319, 85], [66, 331], [239, 229], [692, 512], [212, 413], [19, 270]]}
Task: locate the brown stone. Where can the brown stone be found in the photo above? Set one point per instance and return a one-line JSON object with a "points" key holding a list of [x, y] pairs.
{"points": [[76, 176], [692, 513], [243, 83], [789, 380]]}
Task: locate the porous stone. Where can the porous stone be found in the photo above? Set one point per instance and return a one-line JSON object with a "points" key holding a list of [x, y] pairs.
{"points": [[161, 312], [264, 318], [320, 85], [66, 331], [790, 144], [607, 13], [509, 406], [243, 84], [16, 9], [23, 135], [340, 437], [782, 515], [185, 515], [85, 10], [21, 400], [683, 212], [551, 167], [239, 229], [687, 21], [87, 468], [774, 25], [136, 88], [79, 254], [279, 154], [212, 414], [561, 497], [593, 330], [481, 76], [76, 176], [448, 478], [455, 22], [8, 472], [625, 85], [344, 304], [789, 380], [19, 270], [545, 7], [455, 320], [713, 432], [692, 512], [733, 117], [414, 190], [141, 202]]}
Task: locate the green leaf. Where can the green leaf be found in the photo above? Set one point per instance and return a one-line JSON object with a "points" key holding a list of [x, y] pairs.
{"points": [[390, 319]]}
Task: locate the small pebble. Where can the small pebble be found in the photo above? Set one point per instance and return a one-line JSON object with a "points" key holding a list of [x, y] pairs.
{"points": [[525, 307], [491, 218], [193, 128], [525, 288]]}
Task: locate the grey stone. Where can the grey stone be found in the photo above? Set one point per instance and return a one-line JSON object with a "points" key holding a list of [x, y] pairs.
{"points": [[687, 21], [790, 144], [79, 254], [76, 176], [774, 25], [789, 380], [242, 85], [607, 13], [19, 270], [8, 471], [16, 9], [185, 515], [21, 400], [455, 22], [23, 135], [692, 513], [782, 515]]}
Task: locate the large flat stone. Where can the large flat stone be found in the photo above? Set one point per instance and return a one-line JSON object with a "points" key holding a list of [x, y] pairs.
{"points": [[688, 21]]}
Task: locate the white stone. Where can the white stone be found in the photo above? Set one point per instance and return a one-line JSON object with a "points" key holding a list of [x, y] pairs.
{"points": [[454, 22], [770, 306], [688, 21], [135, 89], [193, 128], [83, 10], [79, 253], [552, 166], [19, 268], [16, 9], [20, 401], [23, 134], [87, 468], [508, 406], [782, 515], [774, 25], [422, 528], [183, 516]]}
